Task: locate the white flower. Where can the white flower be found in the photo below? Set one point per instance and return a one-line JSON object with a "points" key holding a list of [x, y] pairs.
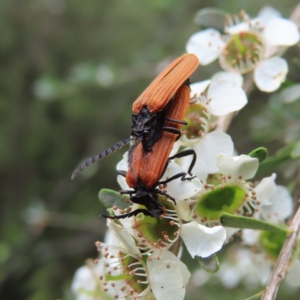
{"points": [[201, 240], [254, 266], [247, 47], [168, 276], [230, 192], [240, 265], [207, 45], [86, 284], [177, 188], [276, 206], [243, 265], [224, 93], [290, 94], [161, 276], [207, 149], [216, 97], [270, 73]]}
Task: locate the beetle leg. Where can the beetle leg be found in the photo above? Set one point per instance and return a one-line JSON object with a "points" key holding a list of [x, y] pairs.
{"points": [[172, 178], [129, 192], [186, 153], [176, 121], [133, 213], [165, 194], [172, 130], [122, 173]]}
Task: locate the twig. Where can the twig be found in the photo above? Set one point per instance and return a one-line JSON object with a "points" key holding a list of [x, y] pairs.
{"points": [[283, 260], [286, 251]]}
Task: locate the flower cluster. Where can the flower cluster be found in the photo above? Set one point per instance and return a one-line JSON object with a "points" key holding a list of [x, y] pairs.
{"points": [[140, 258], [249, 45]]}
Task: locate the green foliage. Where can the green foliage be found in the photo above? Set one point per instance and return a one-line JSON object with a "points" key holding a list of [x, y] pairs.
{"points": [[233, 221], [260, 153], [110, 198]]}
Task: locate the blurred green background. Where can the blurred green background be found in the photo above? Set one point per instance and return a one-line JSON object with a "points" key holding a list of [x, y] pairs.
{"points": [[69, 73]]}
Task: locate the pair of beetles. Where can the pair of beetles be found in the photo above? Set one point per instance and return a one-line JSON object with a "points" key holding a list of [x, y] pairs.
{"points": [[158, 114]]}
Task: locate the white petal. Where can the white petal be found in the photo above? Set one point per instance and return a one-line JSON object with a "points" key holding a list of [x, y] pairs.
{"points": [[85, 281], [168, 276], [266, 14], [290, 94], [270, 73], [199, 87], [261, 270], [177, 188], [199, 168], [167, 255], [184, 211], [266, 189], [175, 148], [234, 269], [200, 277], [122, 182], [235, 29], [229, 275], [281, 32], [235, 78], [236, 166], [210, 146], [110, 238], [281, 207], [149, 295], [123, 164], [124, 237], [201, 240], [166, 281], [128, 223], [206, 44], [250, 236], [225, 97], [83, 278]]}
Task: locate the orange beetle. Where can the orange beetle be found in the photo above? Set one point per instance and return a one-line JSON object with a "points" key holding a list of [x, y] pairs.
{"points": [[151, 106], [146, 168], [150, 119]]}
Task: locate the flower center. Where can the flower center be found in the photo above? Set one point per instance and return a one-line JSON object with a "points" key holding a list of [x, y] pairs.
{"points": [[158, 232], [196, 117], [222, 199], [242, 52], [125, 274], [272, 242]]}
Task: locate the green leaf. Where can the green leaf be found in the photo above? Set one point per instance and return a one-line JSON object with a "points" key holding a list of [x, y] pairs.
{"points": [[260, 153], [256, 296], [273, 162], [209, 264], [248, 223], [211, 18], [295, 153], [110, 198]]}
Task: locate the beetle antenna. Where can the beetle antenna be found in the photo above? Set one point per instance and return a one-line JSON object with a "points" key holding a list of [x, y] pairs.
{"points": [[99, 156]]}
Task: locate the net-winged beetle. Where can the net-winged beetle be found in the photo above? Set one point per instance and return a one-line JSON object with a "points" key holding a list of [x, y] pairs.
{"points": [[149, 119], [146, 168]]}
